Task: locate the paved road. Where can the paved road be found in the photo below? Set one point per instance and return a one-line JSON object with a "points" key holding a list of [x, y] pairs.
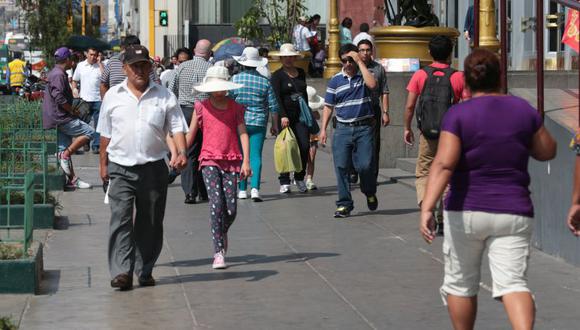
{"points": [[292, 266]]}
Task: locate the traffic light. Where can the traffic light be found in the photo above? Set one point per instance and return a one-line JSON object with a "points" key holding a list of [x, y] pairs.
{"points": [[163, 17]]}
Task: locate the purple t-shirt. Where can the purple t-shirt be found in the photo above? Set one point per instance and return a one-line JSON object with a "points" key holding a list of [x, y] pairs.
{"points": [[57, 93], [492, 174]]}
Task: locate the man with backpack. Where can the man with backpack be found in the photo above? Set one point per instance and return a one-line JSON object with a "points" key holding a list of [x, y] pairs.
{"points": [[432, 90]]}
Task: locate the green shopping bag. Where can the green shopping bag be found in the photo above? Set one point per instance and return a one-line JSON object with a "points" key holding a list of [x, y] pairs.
{"points": [[286, 152]]}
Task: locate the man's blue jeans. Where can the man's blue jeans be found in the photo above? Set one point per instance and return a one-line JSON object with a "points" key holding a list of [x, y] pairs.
{"points": [[352, 147], [95, 111]]}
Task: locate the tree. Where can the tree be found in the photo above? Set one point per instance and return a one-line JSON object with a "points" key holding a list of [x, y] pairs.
{"points": [[281, 15], [46, 24]]}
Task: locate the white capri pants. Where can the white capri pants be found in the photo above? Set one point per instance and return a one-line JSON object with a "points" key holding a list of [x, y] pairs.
{"points": [[468, 234]]}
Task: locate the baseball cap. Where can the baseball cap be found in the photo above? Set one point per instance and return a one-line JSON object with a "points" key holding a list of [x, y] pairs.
{"points": [[62, 54], [134, 54]]}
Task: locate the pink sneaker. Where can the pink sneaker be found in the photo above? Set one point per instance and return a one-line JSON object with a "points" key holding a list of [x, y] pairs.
{"points": [[219, 261]]}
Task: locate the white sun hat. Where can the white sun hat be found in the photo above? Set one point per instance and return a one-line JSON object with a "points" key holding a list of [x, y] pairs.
{"points": [[286, 50], [251, 57], [217, 79], [315, 102]]}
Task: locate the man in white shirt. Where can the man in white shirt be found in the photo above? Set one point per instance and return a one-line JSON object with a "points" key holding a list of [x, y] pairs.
{"points": [[135, 118], [88, 74], [302, 35], [363, 34]]}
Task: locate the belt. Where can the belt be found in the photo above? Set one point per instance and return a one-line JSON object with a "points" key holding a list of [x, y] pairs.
{"points": [[363, 122]]}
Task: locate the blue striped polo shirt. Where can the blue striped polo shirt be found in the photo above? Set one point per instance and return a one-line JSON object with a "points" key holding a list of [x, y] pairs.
{"points": [[350, 97]]}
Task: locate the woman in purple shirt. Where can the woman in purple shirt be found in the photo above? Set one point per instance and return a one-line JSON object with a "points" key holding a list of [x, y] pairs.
{"points": [[483, 154]]}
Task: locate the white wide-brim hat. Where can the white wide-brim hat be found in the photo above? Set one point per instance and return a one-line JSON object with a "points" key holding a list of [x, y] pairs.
{"points": [[251, 57], [315, 101], [216, 80], [286, 50]]}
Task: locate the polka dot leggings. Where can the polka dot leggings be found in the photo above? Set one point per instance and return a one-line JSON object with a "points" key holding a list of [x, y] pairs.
{"points": [[222, 190]]}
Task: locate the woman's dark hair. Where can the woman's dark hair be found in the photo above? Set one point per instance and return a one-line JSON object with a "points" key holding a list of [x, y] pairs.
{"points": [[364, 27], [347, 22], [347, 48], [482, 71], [183, 50], [440, 48], [263, 51]]}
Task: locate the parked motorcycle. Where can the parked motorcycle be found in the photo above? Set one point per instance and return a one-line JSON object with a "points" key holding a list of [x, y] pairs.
{"points": [[33, 88]]}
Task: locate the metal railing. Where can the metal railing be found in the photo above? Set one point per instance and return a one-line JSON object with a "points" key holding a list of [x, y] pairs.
{"points": [[572, 4], [13, 231]]}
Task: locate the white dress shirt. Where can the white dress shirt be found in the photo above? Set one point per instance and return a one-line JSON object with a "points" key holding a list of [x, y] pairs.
{"points": [[89, 76], [137, 127]]}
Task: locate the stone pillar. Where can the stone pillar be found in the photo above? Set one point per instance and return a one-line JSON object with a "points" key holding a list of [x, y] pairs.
{"points": [[333, 65], [487, 26]]}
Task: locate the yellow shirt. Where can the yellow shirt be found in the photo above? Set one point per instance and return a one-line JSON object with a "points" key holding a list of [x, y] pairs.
{"points": [[17, 76]]}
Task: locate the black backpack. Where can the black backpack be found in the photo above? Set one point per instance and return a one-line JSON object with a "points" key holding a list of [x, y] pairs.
{"points": [[435, 99]]}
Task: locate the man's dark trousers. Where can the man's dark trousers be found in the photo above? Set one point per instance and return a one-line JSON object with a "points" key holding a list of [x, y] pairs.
{"points": [[191, 178]]}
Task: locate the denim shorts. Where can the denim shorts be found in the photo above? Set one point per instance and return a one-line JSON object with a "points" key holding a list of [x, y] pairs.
{"points": [[468, 235], [72, 129]]}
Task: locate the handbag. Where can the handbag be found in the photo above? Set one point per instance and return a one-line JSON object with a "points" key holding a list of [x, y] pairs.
{"points": [[82, 110]]}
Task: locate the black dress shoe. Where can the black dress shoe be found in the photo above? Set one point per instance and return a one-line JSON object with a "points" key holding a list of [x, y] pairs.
{"points": [[189, 199], [122, 281], [147, 281]]}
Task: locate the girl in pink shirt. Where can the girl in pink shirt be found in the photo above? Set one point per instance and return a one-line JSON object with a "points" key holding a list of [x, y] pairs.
{"points": [[221, 119]]}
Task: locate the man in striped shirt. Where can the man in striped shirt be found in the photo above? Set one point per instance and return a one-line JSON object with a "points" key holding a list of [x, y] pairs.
{"points": [[349, 93], [189, 74], [113, 73]]}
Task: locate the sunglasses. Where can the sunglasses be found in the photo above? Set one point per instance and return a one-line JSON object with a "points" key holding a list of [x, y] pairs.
{"points": [[347, 59]]}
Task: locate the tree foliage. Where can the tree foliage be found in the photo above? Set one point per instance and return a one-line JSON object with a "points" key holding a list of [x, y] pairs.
{"points": [[47, 24], [281, 16]]}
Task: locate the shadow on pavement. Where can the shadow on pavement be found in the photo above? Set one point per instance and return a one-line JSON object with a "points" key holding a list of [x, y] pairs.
{"points": [[386, 212], [218, 275], [250, 259]]}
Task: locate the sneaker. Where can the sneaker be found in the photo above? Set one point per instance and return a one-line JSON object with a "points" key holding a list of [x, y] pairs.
{"points": [[78, 184], [310, 185], [242, 194], [353, 178], [301, 186], [65, 163], [285, 189], [219, 261], [255, 194], [342, 212], [372, 202]]}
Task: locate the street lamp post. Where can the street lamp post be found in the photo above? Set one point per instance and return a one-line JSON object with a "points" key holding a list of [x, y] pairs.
{"points": [[333, 62]]}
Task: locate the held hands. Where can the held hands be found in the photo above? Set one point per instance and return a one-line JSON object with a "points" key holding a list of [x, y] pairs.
{"points": [[409, 137], [427, 226], [178, 161], [574, 219], [245, 171]]}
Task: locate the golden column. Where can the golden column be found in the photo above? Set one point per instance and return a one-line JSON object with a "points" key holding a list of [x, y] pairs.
{"points": [[487, 27], [333, 65]]}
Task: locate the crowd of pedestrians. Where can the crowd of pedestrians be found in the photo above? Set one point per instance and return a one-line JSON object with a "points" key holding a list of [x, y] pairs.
{"points": [[197, 120]]}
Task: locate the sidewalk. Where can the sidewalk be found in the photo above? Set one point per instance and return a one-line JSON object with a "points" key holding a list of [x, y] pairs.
{"points": [[292, 266]]}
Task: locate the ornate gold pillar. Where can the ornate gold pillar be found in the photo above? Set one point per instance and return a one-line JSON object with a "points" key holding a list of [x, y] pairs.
{"points": [[487, 27], [333, 65]]}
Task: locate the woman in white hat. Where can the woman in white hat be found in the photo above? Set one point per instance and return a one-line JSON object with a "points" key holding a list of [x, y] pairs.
{"points": [[221, 119], [289, 83], [258, 97], [315, 102]]}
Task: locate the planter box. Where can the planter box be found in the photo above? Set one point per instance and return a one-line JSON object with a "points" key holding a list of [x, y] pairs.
{"points": [[43, 215], [54, 180], [22, 275]]}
